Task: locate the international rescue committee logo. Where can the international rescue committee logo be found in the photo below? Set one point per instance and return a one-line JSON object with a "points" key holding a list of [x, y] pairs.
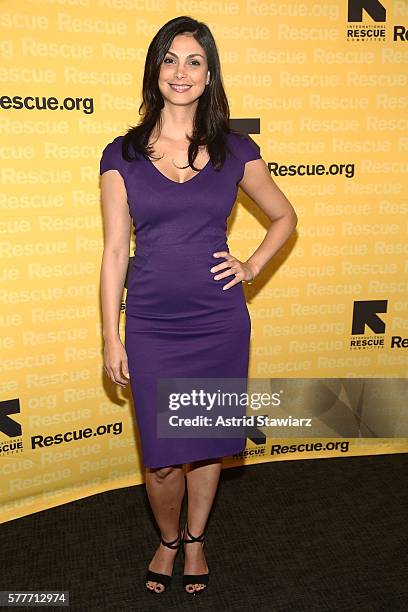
{"points": [[368, 327], [367, 22], [10, 427]]}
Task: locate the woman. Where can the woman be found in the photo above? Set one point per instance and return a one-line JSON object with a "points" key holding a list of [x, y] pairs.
{"points": [[181, 321]]}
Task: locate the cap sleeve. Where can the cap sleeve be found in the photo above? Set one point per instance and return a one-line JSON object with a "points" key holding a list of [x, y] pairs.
{"points": [[246, 150], [112, 157], [249, 149]]}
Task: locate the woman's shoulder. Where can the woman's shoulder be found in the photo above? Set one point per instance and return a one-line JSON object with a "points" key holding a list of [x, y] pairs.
{"points": [[243, 145], [112, 155]]}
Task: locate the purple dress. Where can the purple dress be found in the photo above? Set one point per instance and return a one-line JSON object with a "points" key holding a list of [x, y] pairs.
{"points": [[179, 320]]}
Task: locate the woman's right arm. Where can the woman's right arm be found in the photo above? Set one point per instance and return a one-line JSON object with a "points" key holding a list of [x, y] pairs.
{"points": [[115, 260]]}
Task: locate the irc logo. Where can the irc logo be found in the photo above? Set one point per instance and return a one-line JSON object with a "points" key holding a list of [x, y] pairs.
{"points": [[365, 314], [372, 7], [357, 31], [10, 428]]}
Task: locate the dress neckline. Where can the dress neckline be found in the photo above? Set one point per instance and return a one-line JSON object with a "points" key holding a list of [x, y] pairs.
{"points": [[169, 180]]}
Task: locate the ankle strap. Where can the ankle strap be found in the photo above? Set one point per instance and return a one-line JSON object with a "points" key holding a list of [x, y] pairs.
{"points": [[171, 544], [200, 538]]}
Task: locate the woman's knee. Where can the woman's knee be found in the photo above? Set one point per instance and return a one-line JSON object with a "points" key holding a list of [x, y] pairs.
{"points": [[164, 473]]}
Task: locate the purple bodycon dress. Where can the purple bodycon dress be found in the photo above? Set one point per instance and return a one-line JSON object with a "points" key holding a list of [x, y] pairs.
{"points": [[179, 320]]}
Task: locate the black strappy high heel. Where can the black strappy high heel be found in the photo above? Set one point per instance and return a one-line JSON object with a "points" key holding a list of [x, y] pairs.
{"points": [[194, 578], [163, 579]]}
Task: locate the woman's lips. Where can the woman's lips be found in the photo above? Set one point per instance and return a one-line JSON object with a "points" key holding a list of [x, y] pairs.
{"points": [[179, 88]]}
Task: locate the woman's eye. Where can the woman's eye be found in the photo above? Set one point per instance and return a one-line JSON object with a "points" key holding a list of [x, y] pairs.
{"points": [[197, 63]]}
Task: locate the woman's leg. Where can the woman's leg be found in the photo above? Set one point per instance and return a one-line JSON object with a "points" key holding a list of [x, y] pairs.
{"points": [[165, 489], [202, 481]]}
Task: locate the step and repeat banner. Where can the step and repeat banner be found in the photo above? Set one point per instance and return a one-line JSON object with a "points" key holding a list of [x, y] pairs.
{"points": [[322, 88]]}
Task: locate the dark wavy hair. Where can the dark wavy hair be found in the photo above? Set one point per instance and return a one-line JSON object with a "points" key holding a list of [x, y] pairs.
{"points": [[211, 120]]}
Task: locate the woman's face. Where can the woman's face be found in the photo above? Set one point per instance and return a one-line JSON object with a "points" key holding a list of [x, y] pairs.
{"points": [[184, 71]]}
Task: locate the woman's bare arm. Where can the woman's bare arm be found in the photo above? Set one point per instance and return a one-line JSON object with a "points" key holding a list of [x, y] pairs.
{"points": [[115, 259], [258, 184]]}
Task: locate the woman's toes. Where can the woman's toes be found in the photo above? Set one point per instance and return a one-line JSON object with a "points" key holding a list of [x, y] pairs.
{"points": [[195, 587], [155, 586]]}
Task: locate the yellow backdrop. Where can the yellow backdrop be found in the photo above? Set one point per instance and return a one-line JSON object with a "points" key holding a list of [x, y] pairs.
{"points": [[324, 97]]}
